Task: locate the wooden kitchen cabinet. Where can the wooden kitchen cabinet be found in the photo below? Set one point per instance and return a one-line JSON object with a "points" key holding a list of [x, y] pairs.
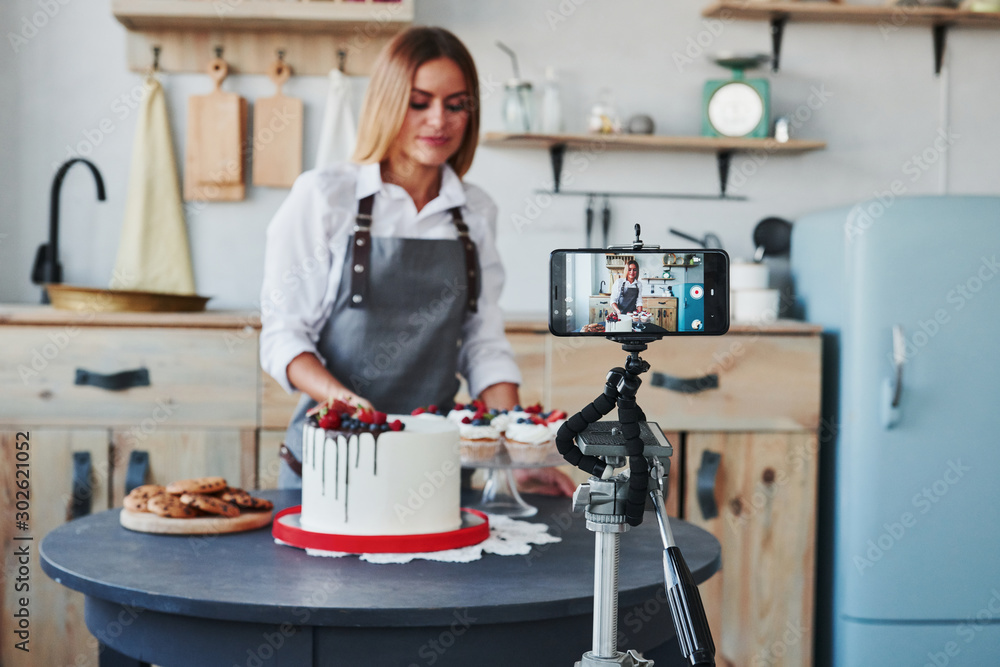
{"points": [[664, 311], [193, 408], [760, 605], [58, 635]]}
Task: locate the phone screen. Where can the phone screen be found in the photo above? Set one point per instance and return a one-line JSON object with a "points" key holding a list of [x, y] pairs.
{"points": [[656, 292]]}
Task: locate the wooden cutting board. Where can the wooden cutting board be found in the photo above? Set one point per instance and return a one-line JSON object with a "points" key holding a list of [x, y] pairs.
{"points": [[216, 127], [277, 134], [144, 522]]}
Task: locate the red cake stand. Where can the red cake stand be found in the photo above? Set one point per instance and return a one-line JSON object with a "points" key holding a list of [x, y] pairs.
{"points": [[286, 527]]}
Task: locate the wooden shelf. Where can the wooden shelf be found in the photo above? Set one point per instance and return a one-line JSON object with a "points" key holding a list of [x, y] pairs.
{"points": [[722, 147], [643, 142], [891, 17], [251, 32], [296, 15], [819, 12]]}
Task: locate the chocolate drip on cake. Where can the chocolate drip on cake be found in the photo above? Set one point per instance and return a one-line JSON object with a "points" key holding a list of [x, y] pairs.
{"points": [[322, 487], [347, 473], [348, 434]]}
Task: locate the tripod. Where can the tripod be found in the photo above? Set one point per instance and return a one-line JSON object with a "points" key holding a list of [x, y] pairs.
{"points": [[612, 503]]}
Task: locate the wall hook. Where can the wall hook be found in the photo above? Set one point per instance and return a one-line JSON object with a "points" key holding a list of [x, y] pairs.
{"points": [[218, 52], [341, 59], [156, 58], [281, 55]]}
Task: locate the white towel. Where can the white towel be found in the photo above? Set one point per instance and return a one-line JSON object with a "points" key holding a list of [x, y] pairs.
{"points": [[339, 133], [153, 255]]}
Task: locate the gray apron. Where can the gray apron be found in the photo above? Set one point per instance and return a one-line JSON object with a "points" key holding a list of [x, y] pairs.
{"points": [[628, 297], [396, 325]]}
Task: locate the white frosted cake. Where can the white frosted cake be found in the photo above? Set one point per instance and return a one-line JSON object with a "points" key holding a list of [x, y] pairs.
{"points": [[622, 324], [386, 482]]}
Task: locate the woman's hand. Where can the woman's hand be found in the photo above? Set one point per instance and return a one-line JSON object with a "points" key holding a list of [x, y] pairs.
{"points": [[544, 481], [615, 307], [311, 377], [502, 396]]}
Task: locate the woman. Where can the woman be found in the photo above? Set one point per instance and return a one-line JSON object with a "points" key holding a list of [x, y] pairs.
{"points": [[381, 276], [626, 294]]}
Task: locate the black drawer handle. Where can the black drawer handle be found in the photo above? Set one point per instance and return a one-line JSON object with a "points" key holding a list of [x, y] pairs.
{"points": [[706, 484], [79, 503], [114, 381], [685, 385], [137, 470]]}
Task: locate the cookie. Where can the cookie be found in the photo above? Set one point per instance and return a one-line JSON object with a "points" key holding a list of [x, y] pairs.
{"points": [[236, 496], [136, 500], [168, 505], [244, 500], [197, 485], [210, 504]]}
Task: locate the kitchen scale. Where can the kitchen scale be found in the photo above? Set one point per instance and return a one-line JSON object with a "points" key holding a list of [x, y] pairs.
{"points": [[737, 107]]}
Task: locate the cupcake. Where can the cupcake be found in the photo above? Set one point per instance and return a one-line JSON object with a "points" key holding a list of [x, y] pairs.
{"points": [[528, 442], [479, 439], [460, 412]]}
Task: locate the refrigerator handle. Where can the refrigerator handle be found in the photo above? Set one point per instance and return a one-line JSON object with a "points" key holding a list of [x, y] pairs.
{"points": [[898, 359], [892, 388]]}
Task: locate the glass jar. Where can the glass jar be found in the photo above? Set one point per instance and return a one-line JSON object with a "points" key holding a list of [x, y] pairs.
{"points": [[517, 106]]}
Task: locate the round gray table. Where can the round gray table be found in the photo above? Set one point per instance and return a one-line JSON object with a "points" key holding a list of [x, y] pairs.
{"points": [[241, 599]]}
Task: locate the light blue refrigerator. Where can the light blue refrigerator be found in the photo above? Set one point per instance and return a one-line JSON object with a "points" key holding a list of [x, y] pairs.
{"points": [[908, 293]]}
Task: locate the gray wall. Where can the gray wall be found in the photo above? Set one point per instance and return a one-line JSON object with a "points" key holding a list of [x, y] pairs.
{"points": [[882, 106]]}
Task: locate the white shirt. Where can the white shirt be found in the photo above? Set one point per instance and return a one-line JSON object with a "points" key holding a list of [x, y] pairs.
{"points": [[307, 243], [622, 284]]}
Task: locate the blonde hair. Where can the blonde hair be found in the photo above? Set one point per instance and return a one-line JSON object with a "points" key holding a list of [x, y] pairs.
{"points": [[388, 95]]}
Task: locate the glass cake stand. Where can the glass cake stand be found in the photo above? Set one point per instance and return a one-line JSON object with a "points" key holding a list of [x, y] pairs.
{"points": [[500, 494]]}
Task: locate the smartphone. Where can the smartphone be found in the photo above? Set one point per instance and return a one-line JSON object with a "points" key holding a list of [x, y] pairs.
{"points": [[651, 291]]}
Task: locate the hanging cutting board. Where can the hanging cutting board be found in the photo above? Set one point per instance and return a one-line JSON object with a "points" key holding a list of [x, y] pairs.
{"points": [[213, 162], [277, 134]]}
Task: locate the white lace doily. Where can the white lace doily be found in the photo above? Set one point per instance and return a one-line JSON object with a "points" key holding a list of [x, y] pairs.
{"points": [[508, 537]]}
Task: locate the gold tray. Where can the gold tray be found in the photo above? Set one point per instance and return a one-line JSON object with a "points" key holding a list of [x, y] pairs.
{"points": [[68, 297]]}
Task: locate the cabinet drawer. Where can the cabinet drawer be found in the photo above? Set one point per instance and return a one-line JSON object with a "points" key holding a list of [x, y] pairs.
{"points": [[765, 382], [194, 377]]}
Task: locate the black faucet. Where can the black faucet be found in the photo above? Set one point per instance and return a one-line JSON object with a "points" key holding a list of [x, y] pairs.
{"points": [[47, 268]]}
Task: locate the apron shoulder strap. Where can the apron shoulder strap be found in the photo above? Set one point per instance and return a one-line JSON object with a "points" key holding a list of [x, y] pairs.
{"points": [[471, 265], [361, 251]]}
